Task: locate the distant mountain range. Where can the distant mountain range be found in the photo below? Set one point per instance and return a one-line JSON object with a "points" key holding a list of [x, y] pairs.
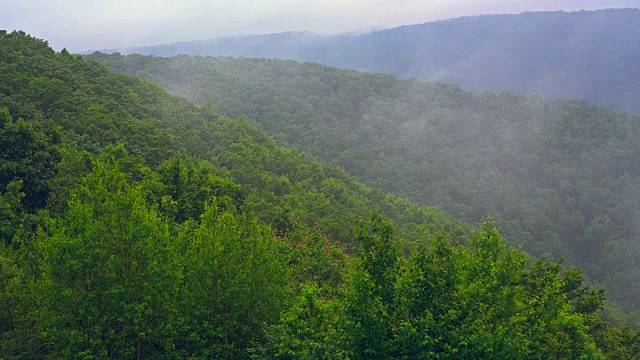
{"points": [[589, 55]]}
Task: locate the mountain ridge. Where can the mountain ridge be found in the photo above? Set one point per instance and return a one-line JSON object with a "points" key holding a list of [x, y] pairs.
{"points": [[540, 168], [589, 55]]}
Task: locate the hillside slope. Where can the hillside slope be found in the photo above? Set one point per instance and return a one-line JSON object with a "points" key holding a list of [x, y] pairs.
{"points": [[560, 177], [135, 223], [115, 244], [585, 55], [96, 108]]}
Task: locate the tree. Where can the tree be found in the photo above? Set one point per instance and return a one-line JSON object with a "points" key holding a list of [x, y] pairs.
{"points": [[29, 154], [190, 183], [111, 274], [372, 289], [235, 282]]}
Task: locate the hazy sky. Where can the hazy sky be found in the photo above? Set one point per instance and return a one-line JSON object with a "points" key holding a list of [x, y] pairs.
{"points": [[98, 24]]}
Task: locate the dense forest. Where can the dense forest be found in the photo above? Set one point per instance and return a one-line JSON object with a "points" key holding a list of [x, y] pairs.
{"points": [[561, 178], [135, 224], [588, 55]]}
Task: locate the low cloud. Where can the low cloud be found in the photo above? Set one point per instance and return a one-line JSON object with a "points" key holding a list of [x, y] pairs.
{"points": [[95, 24]]}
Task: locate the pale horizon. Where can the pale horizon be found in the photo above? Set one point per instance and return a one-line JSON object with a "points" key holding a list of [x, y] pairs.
{"points": [[81, 25]]}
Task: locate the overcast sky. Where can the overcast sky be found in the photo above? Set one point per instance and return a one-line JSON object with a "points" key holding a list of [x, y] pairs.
{"points": [[98, 24]]}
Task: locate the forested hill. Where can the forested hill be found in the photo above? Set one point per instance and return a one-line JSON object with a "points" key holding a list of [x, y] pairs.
{"points": [[589, 55], [559, 177], [137, 225]]}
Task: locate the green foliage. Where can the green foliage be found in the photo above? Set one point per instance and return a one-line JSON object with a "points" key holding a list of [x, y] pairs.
{"points": [[19, 331], [315, 256], [11, 211], [370, 304], [235, 283], [379, 255], [95, 109], [310, 329], [135, 224], [560, 177], [111, 274], [485, 302], [29, 152], [189, 183]]}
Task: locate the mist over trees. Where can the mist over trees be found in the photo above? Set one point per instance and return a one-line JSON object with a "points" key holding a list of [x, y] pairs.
{"points": [[587, 55], [135, 224], [559, 177]]}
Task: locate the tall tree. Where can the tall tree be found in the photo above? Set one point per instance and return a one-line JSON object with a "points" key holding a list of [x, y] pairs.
{"points": [[111, 273]]}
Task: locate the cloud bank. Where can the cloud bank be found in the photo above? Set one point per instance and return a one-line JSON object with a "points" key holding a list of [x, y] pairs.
{"points": [[95, 24]]}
